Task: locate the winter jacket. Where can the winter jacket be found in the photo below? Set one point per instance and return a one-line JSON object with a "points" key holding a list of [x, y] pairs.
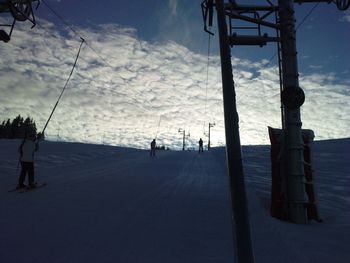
{"points": [[153, 145], [27, 149]]}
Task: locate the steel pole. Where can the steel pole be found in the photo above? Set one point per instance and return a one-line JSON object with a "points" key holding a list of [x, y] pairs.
{"points": [[293, 159], [183, 140], [209, 138], [241, 225]]}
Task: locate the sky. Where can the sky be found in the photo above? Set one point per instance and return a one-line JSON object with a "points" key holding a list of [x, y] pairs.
{"points": [[142, 74]]}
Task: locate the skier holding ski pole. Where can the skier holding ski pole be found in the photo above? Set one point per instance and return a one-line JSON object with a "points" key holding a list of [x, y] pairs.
{"points": [[27, 149]]}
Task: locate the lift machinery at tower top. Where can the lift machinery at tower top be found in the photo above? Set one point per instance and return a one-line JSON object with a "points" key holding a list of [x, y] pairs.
{"points": [[257, 14], [20, 10]]}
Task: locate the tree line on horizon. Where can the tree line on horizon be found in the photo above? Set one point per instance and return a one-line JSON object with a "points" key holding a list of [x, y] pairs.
{"points": [[17, 128]]}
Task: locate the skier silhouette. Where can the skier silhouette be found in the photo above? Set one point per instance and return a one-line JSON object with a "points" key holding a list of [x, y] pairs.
{"points": [[26, 150], [153, 148], [200, 142]]}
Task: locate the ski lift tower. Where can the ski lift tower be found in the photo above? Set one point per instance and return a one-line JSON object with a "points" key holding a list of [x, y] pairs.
{"points": [[279, 18], [211, 125], [183, 137]]}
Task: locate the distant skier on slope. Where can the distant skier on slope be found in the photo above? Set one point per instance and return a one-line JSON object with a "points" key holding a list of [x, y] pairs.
{"points": [[200, 142], [153, 148], [26, 150]]}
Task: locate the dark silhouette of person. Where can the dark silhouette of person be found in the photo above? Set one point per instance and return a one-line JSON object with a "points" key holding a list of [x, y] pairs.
{"points": [[200, 142], [26, 150], [153, 148]]}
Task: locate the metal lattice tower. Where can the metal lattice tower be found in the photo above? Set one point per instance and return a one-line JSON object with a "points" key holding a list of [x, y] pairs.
{"points": [[278, 18]]}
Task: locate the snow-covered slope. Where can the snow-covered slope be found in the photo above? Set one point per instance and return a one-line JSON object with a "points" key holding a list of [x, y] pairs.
{"points": [[110, 204]]}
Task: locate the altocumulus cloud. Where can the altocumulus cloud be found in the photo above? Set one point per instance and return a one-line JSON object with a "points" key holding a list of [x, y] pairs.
{"points": [[133, 91]]}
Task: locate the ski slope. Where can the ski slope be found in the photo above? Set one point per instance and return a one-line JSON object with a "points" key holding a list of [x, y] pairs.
{"points": [[110, 204]]}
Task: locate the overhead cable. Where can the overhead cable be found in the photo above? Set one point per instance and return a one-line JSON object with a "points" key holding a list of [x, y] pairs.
{"points": [[75, 32], [65, 86]]}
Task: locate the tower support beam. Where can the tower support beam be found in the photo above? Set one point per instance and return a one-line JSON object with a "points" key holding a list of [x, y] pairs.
{"points": [[241, 223], [293, 160]]}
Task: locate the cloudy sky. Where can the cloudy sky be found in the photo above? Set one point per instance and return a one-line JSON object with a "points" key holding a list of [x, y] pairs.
{"points": [[143, 74]]}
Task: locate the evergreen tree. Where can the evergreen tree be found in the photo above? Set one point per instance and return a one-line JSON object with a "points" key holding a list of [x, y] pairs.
{"points": [[33, 126], [2, 130], [8, 129], [20, 132], [29, 126], [18, 128]]}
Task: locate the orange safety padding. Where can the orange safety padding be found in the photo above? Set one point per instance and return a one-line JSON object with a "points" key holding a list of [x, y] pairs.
{"points": [[278, 197], [278, 207], [312, 211]]}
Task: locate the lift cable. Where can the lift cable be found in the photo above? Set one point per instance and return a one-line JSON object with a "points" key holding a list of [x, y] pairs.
{"points": [[76, 32], [206, 82], [160, 117], [207, 77], [89, 45], [65, 86], [297, 27]]}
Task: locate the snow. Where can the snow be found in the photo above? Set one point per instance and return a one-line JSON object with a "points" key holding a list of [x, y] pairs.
{"points": [[111, 204]]}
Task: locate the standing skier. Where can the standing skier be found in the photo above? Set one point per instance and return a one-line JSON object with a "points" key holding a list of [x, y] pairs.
{"points": [[153, 148], [26, 150], [200, 142]]}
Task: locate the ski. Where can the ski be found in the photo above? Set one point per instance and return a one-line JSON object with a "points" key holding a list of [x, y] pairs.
{"points": [[14, 190], [28, 189], [17, 189]]}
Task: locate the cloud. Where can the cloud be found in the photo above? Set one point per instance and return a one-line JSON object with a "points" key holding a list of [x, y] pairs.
{"points": [[133, 91], [181, 22], [173, 7], [316, 67], [346, 16]]}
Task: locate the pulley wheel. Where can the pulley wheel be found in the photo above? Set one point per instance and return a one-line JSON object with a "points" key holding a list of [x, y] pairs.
{"points": [[293, 98]]}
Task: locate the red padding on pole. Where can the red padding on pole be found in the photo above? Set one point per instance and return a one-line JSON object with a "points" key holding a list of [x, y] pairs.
{"points": [[278, 207]]}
